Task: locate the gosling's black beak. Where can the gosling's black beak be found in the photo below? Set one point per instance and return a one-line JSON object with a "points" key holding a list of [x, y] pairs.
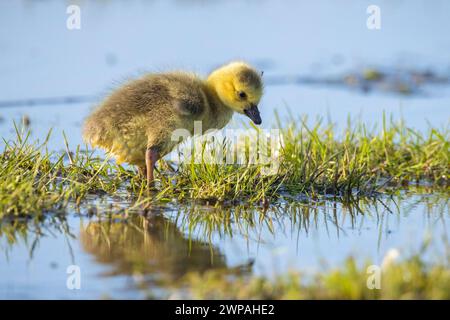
{"points": [[253, 113]]}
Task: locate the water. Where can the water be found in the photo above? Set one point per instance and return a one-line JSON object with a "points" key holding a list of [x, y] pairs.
{"points": [[40, 58], [138, 256]]}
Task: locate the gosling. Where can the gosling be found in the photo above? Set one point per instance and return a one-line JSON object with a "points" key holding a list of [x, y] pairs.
{"points": [[135, 122]]}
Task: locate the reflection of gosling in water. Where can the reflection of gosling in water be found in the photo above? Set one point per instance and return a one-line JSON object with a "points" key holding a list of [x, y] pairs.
{"points": [[154, 247], [135, 123]]}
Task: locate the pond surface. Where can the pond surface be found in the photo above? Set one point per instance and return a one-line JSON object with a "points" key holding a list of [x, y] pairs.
{"points": [[139, 256], [319, 40]]}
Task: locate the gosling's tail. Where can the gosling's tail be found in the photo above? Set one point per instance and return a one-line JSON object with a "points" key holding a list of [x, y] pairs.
{"points": [[95, 133]]}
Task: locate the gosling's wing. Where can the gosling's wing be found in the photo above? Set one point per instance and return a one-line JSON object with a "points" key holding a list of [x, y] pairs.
{"points": [[189, 106], [158, 94], [186, 91]]}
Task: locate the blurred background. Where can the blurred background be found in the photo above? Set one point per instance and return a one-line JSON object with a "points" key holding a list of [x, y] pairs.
{"points": [[319, 57]]}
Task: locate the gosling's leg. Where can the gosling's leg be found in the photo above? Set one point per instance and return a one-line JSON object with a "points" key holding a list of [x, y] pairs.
{"points": [[151, 156]]}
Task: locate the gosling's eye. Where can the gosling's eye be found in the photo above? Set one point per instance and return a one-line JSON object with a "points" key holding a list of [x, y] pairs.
{"points": [[242, 94]]}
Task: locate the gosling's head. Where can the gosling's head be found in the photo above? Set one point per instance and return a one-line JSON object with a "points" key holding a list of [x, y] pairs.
{"points": [[239, 87]]}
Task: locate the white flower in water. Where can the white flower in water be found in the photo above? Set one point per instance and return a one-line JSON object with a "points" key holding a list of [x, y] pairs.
{"points": [[280, 251], [138, 277], [391, 257]]}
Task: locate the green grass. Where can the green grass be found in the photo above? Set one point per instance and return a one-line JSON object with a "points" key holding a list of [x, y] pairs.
{"points": [[34, 181], [313, 162], [319, 161]]}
